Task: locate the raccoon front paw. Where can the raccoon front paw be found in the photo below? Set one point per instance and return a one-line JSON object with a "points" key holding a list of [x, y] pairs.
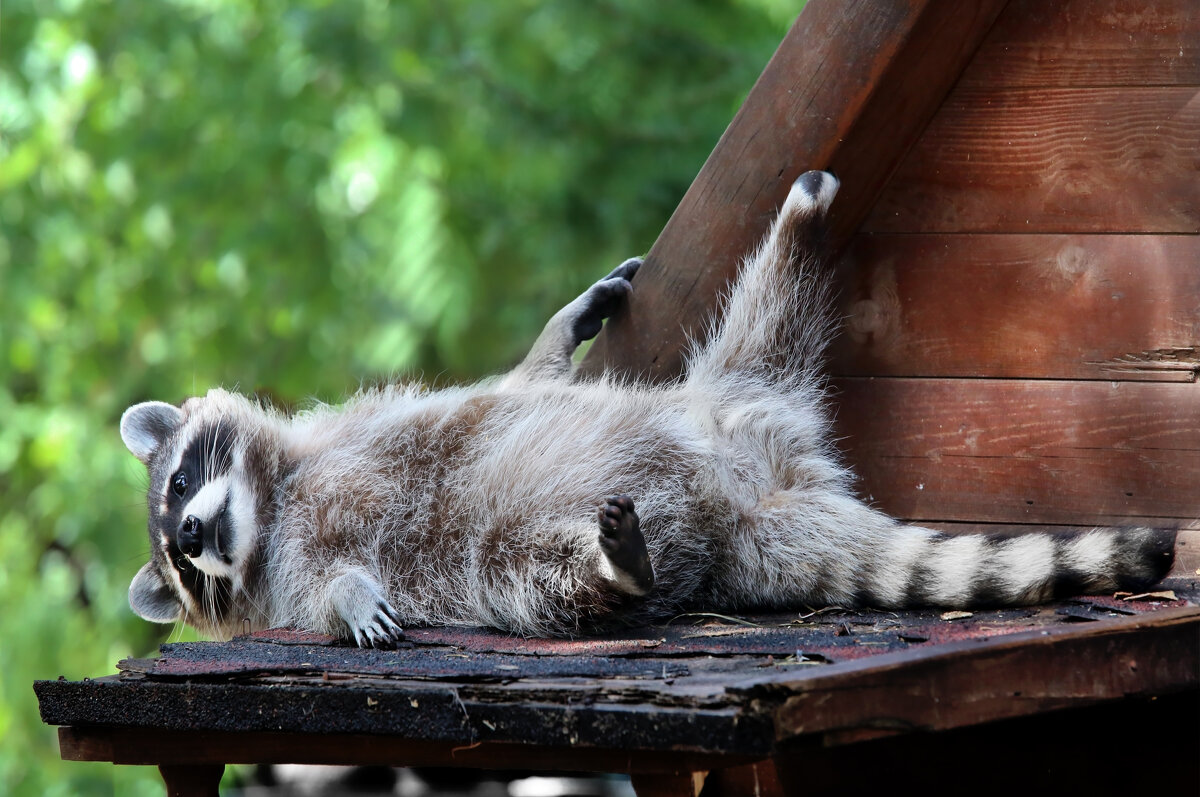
{"points": [[602, 300], [381, 628], [622, 542], [360, 603]]}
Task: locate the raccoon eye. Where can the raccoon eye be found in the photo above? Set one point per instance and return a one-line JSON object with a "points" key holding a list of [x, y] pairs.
{"points": [[179, 483]]}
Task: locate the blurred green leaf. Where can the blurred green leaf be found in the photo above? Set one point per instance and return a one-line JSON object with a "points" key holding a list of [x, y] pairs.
{"points": [[292, 198]]}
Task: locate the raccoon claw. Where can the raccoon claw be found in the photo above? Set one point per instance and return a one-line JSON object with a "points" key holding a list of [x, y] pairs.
{"points": [[383, 631], [622, 542], [358, 599]]}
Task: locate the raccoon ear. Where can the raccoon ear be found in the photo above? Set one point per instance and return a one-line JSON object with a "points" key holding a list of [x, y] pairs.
{"points": [[151, 598], [145, 426]]}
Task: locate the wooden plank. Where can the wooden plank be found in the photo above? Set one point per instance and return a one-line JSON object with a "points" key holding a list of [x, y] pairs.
{"points": [[557, 713], [1051, 160], [1093, 43], [968, 683], [1015, 451], [158, 746], [1026, 306], [850, 88]]}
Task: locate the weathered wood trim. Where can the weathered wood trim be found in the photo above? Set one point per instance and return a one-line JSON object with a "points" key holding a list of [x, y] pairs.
{"points": [[155, 746], [850, 88], [973, 682]]}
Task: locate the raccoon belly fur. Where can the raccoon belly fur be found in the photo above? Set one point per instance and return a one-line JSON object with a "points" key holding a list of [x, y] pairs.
{"points": [[545, 505]]}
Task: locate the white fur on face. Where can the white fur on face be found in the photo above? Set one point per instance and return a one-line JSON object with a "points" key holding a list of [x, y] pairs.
{"points": [[208, 506], [241, 517]]}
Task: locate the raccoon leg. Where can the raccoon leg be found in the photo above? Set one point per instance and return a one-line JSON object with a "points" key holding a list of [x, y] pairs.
{"points": [[549, 576], [776, 320], [359, 601], [624, 546], [550, 357]]}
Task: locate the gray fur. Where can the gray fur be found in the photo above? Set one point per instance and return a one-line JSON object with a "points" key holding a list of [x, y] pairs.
{"points": [[478, 505]]}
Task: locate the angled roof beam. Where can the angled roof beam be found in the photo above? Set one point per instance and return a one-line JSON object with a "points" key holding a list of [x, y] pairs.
{"points": [[850, 89]]}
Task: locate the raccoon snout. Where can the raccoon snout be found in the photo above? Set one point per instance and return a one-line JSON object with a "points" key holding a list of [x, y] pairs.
{"points": [[191, 536]]}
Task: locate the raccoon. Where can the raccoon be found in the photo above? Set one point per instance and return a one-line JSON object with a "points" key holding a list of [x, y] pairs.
{"points": [[544, 504]]}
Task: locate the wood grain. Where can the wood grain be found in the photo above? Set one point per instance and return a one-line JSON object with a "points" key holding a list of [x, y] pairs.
{"points": [[1094, 43], [850, 88], [1032, 306], [1024, 452], [1051, 160]]}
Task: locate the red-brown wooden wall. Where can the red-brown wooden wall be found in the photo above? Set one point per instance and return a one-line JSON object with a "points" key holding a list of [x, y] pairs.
{"points": [[1020, 261], [1023, 299]]}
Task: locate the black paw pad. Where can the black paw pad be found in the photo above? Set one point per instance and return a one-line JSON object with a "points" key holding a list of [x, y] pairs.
{"points": [[622, 542]]}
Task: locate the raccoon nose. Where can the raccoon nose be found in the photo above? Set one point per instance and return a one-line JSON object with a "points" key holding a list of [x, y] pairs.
{"points": [[191, 536]]}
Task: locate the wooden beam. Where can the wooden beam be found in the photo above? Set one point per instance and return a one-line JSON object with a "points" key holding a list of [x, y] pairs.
{"points": [[196, 749], [1064, 160], [972, 682], [1110, 307], [850, 88], [1024, 451], [1090, 43]]}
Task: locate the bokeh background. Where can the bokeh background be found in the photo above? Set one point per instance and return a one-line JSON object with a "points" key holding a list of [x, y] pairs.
{"points": [[292, 198]]}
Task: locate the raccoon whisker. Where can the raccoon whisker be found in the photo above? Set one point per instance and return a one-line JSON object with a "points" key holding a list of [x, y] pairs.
{"points": [[211, 585], [249, 598], [210, 451]]}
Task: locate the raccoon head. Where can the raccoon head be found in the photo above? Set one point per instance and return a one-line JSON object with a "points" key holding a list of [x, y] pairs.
{"points": [[210, 497]]}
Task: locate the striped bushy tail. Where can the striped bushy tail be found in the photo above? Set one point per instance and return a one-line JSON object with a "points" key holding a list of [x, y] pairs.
{"points": [[920, 567]]}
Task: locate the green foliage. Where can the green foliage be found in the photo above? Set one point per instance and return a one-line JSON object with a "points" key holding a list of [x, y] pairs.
{"points": [[289, 198]]}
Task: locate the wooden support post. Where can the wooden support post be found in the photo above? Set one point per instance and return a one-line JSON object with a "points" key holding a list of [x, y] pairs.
{"points": [[192, 780], [759, 779], [679, 784]]}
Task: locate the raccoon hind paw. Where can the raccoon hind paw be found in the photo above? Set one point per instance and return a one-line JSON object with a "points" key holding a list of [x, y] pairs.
{"points": [[624, 546], [813, 192]]}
